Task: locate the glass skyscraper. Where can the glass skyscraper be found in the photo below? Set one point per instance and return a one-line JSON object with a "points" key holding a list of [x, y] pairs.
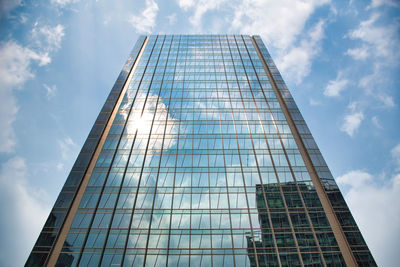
{"points": [[200, 157]]}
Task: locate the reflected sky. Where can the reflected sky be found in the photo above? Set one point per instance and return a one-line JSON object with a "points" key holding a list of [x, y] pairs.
{"points": [[193, 167]]}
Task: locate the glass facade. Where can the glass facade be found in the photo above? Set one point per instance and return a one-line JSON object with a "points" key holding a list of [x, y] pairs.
{"points": [[205, 162]]}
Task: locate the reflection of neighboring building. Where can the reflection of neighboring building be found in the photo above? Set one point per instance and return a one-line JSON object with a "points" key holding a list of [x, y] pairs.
{"points": [[176, 169], [292, 228]]}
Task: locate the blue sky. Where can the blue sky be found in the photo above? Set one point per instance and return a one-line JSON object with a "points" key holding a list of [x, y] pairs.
{"points": [[60, 58]]}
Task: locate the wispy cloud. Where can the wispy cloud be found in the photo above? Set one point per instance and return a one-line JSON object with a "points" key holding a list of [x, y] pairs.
{"points": [[353, 119], [146, 20], [15, 68], [379, 44], [377, 41], [283, 26], [280, 23], [68, 152], [48, 38], [297, 62], [50, 90], [375, 121], [67, 147], [396, 156], [359, 53], [335, 87], [352, 122], [375, 85], [171, 19], [373, 203], [377, 3], [63, 3], [200, 8], [314, 102], [387, 100], [25, 211], [186, 4]]}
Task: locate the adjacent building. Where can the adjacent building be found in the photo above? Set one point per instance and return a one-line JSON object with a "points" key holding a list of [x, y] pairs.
{"points": [[200, 157]]}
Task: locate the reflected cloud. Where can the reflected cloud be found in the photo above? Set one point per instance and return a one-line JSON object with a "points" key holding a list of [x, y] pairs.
{"points": [[140, 122]]}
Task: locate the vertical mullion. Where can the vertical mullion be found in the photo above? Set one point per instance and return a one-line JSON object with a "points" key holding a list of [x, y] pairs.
{"points": [[208, 166], [255, 157], [193, 59], [125, 169], [223, 153], [336, 227], [283, 197], [147, 146], [290, 166], [101, 192], [161, 152], [177, 150], [116, 202], [239, 153]]}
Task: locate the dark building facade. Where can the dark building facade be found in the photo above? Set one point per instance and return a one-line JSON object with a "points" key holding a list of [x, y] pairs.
{"points": [[200, 157]]}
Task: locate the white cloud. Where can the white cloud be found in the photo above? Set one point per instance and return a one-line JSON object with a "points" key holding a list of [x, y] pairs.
{"points": [[48, 38], [23, 19], [297, 62], [15, 69], [355, 178], [396, 155], [171, 19], [68, 151], [314, 102], [50, 90], [377, 3], [386, 100], [67, 148], [24, 213], [375, 122], [200, 8], [360, 53], [146, 21], [279, 22], [352, 122], [63, 3], [186, 4], [16, 64], [378, 43], [282, 25], [375, 84], [381, 42], [374, 205], [15, 61], [335, 87]]}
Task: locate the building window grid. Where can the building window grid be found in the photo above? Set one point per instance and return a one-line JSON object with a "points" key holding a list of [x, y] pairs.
{"points": [[287, 95], [135, 212], [248, 66], [76, 174], [272, 160], [103, 187], [158, 171], [252, 237], [290, 222], [285, 150], [328, 183]]}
